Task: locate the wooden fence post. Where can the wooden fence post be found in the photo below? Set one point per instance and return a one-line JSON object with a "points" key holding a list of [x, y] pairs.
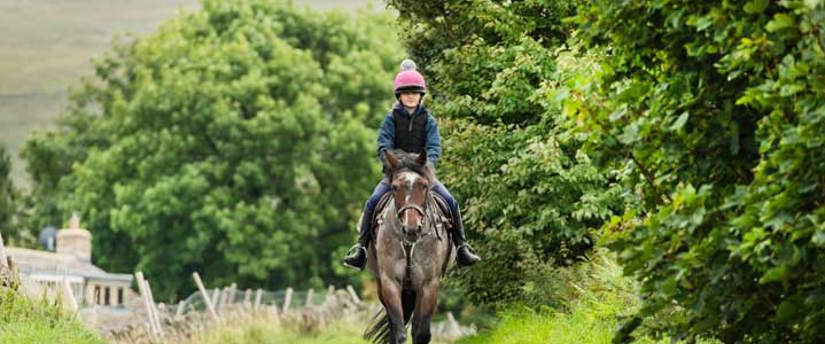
{"points": [[179, 311], [146, 303], [5, 272], [287, 300], [68, 296], [216, 294], [222, 300], [330, 294], [353, 294], [233, 289], [155, 315], [258, 295], [308, 302], [204, 295], [247, 298]]}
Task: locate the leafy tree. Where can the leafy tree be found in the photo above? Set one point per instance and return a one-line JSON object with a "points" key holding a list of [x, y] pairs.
{"points": [[8, 194], [237, 141], [715, 110], [12, 205], [530, 197]]}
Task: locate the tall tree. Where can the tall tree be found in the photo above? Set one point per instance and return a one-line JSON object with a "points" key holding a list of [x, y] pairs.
{"points": [[715, 110], [530, 197], [8, 195], [237, 141]]}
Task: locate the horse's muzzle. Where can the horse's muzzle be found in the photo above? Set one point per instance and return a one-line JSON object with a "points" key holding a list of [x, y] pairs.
{"points": [[412, 234]]}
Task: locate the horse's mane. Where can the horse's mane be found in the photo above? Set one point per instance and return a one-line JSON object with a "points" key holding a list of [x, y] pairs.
{"points": [[408, 162]]}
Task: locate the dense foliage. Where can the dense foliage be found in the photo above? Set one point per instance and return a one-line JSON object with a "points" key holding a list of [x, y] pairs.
{"points": [[717, 111], [708, 114], [6, 189], [9, 201], [237, 141], [530, 198]]}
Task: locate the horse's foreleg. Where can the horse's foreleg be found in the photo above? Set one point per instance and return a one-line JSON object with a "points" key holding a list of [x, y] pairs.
{"points": [[391, 297], [424, 309]]}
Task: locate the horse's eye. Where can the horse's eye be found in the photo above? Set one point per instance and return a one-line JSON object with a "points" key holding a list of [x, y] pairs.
{"points": [[395, 188]]}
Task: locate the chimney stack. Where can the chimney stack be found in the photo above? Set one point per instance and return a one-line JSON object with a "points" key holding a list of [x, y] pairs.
{"points": [[75, 240]]}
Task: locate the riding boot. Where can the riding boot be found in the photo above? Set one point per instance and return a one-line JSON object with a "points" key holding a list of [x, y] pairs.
{"points": [[464, 255], [357, 256]]}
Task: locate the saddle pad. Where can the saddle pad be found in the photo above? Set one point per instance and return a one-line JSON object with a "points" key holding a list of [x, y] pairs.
{"points": [[445, 208]]}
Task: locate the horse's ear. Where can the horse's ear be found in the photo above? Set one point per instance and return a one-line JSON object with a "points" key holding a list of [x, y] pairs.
{"points": [[392, 160], [422, 158]]}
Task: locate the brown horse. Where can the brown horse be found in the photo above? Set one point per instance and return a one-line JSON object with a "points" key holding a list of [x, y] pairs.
{"points": [[410, 251]]}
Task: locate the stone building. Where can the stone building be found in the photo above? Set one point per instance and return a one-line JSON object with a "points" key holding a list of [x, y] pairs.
{"points": [[42, 272]]}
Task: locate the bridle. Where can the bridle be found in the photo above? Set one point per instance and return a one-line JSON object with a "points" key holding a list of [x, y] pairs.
{"points": [[428, 224], [426, 219], [415, 207]]}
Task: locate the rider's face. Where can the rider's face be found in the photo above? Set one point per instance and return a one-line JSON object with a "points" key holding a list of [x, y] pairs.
{"points": [[410, 100]]}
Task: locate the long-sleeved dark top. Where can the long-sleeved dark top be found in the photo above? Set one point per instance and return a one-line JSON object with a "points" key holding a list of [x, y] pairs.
{"points": [[386, 135]]}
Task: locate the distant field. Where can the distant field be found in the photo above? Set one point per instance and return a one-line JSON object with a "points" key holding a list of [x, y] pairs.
{"points": [[47, 45]]}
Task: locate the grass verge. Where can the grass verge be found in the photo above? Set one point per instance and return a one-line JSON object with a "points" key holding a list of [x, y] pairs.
{"points": [[268, 330], [264, 328], [589, 298], [24, 321]]}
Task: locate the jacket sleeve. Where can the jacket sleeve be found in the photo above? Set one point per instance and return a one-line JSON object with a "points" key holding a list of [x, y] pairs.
{"points": [[386, 136], [433, 140]]}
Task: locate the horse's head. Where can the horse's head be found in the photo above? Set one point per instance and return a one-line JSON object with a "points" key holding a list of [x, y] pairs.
{"points": [[411, 180]]}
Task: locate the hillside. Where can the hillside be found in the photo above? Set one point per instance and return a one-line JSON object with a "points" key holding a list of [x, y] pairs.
{"points": [[48, 45]]}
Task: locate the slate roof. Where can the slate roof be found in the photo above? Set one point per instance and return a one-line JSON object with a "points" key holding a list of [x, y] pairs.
{"points": [[44, 262]]}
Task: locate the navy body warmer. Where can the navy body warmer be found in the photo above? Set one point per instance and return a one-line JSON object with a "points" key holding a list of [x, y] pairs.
{"points": [[410, 133]]}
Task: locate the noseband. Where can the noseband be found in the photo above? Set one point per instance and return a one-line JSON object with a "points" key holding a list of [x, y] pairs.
{"points": [[427, 219], [416, 207]]}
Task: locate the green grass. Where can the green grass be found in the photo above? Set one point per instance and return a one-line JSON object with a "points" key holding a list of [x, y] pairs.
{"points": [[591, 322], [591, 299], [267, 329], [24, 321]]}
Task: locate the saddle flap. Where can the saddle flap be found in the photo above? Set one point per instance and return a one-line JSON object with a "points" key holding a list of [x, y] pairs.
{"points": [[379, 209], [444, 208]]}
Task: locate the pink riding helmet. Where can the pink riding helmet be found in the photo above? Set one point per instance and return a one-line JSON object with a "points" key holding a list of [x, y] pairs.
{"points": [[409, 79]]}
